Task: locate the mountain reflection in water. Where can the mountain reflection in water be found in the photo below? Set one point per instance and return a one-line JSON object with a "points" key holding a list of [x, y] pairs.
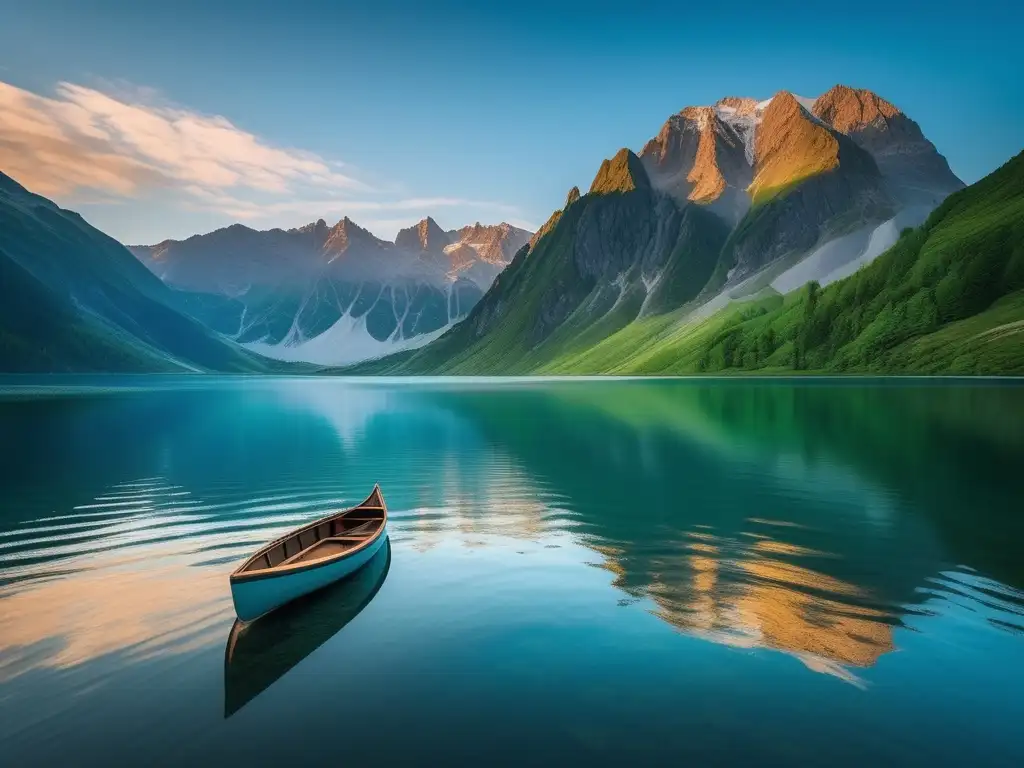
{"points": [[561, 549]]}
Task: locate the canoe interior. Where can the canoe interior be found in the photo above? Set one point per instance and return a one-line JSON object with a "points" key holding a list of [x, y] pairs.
{"points": [[329, 538]]}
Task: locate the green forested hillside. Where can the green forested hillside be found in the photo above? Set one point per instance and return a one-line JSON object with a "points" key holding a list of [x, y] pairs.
{"points": [[948, 297]]}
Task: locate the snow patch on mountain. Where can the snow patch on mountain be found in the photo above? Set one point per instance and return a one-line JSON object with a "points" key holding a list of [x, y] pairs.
{"points": [[831, 261], [347, 341], [806, 102], [844, 255], [744, 124]]}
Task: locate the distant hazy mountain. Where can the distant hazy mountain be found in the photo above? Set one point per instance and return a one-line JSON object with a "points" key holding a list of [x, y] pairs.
{"points": [[73, 299], [338, 294]]}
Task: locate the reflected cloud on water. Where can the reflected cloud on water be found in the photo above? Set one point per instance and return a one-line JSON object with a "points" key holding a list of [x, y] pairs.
{"points": [[762, 521]]}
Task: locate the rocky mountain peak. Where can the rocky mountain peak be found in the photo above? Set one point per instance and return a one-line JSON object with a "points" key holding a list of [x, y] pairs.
{"points": [[346, 234], [915, 173], [553, 219], [701, 116], [739, 105], [493, 243], [426, 236], [782, 105], [790, 146], [471, 231], [705, 154], [317, 229], [623, 173], [726, 155], [849, 109], [664, 147], [313, 226]]}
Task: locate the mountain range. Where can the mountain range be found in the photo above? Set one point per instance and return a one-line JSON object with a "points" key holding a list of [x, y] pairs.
{"points": [[737, 204], [792, 233], [331, 295]]}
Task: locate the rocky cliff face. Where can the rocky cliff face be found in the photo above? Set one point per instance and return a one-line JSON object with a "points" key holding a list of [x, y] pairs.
{"points": [[710, 155], [704, 155], [811, 182], [914, 171], [790, 173], [790, 146]]}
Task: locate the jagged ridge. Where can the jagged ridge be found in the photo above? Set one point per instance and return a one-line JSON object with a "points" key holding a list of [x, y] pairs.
{"points": [[334, 294]]}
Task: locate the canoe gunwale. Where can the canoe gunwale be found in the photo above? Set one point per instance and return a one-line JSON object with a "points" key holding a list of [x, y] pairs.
{"points": [[240, 576]]}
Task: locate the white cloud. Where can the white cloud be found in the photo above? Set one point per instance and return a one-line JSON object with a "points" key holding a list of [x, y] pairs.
{"points": [[85, 139]]}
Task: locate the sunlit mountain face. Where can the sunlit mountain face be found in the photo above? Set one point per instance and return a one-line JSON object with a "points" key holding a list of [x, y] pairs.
{"points": [[828, 540]]}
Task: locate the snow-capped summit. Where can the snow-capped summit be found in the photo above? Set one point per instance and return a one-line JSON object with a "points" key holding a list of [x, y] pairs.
{"points": [[710, 155]]}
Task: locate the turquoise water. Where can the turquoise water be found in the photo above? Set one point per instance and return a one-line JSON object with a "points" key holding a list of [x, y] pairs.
{"points": [[631, 572]]}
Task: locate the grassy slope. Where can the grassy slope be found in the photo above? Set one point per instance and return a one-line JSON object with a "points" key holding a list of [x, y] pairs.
{"points": [[947, 298], [527, 286]]}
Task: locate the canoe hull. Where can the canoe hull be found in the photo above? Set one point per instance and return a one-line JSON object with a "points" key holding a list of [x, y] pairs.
{"points": [[258, 653], [254, 598]]}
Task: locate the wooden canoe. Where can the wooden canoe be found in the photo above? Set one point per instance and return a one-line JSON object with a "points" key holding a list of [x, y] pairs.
{"points": [[259, 653], [310, 557]]}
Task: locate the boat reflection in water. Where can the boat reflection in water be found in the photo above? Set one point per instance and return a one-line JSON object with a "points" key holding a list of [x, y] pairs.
{"points": [[261, 652]]}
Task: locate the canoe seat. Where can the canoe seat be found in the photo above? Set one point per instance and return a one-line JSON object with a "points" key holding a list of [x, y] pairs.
{"points": [[307, 545], [341, 530], [335, 545]]}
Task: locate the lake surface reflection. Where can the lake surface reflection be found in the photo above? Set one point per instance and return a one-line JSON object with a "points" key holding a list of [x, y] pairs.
{"points": [[712, 571]]}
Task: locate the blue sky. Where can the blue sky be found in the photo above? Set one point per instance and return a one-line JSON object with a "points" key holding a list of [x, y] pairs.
{"points": [[282, 113]]}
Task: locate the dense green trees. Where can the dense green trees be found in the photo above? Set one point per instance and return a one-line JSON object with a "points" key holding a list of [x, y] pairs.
{"points": [[967, 256]]}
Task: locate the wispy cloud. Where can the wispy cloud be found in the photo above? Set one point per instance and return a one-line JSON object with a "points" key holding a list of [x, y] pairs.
{"points": [[85, 139], [106, 146]]}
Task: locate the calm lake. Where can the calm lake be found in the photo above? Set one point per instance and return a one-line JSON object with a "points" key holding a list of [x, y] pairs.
{"points": [[598, 572]]}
